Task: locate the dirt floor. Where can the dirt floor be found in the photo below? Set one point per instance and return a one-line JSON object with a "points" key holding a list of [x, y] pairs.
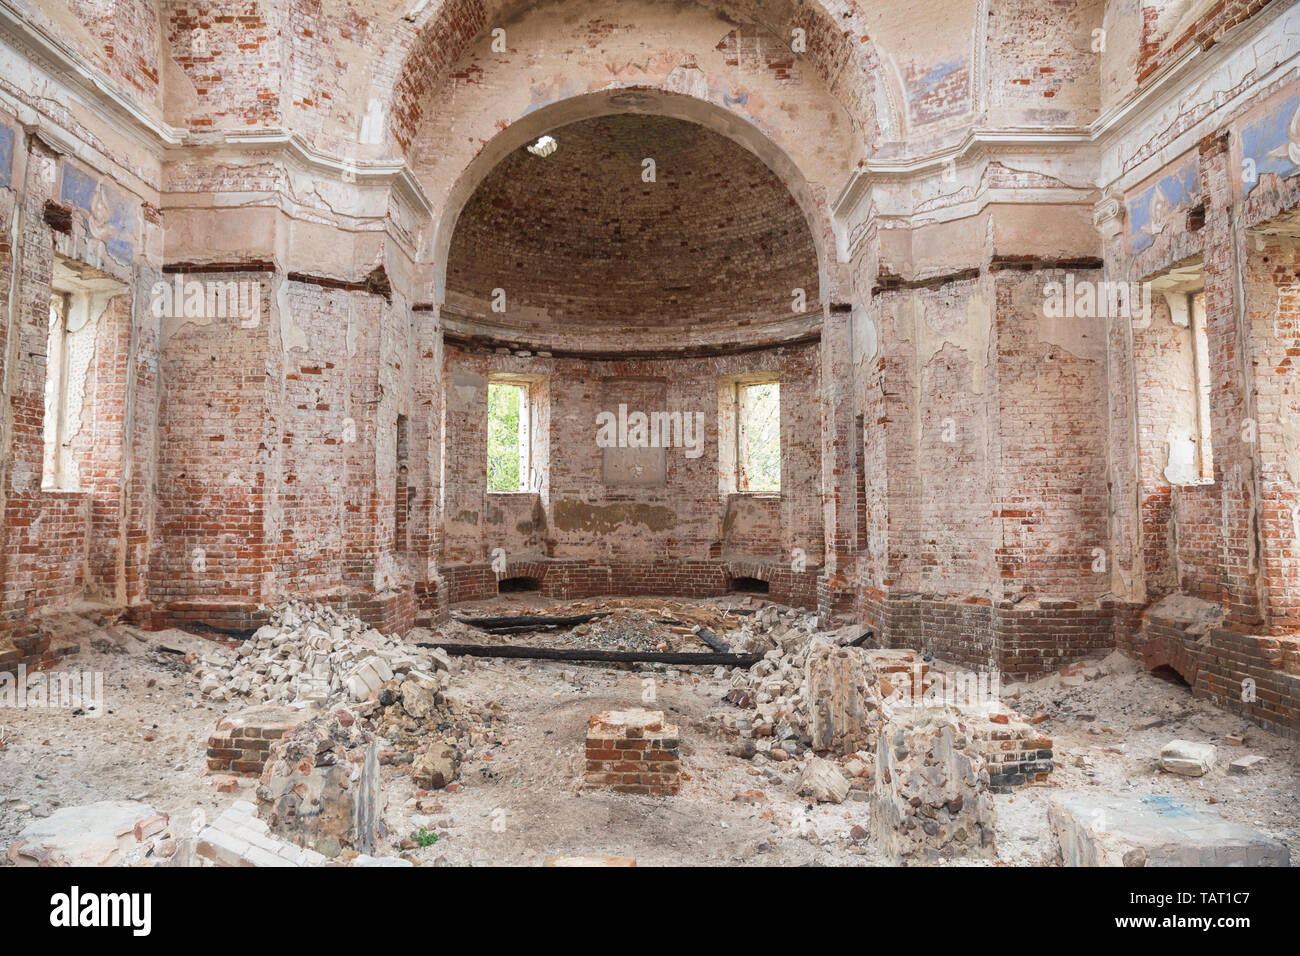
{"points": [[519, 800]]}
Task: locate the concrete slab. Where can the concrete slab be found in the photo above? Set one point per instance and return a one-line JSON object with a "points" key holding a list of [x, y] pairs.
{"points": [[1154, 830], [96, 834]]}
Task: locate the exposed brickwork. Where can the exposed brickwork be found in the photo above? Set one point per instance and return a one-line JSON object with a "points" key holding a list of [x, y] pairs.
{"points": [[579, 237], [607, 539], [960, 470], [1161, 43], [242, 740], [1256, 676], [232, 55], [1015, 752], [578, 578], [633, 751]]}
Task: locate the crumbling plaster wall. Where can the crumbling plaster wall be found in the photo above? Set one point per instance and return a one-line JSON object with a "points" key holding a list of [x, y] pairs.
{"points": [[1043, 65], [1035, 407], [492, 101], [61, 198], [1216, 537], [582, 516]]}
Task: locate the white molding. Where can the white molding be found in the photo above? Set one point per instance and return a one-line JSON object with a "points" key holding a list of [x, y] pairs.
{"points": [[397, 174], [1158, 93]]}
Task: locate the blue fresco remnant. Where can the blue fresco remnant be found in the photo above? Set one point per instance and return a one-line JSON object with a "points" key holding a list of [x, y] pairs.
{"points": [[109, 212], [1167, 806], [1271, 144], [6, 155], [735, 99], [1153, 209], [936, 74], [78, 188]]}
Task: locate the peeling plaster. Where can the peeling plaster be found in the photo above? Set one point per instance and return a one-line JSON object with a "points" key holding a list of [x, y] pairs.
{"points": [[464, 390], [1084, 338], [292, 335], [928, 336]]}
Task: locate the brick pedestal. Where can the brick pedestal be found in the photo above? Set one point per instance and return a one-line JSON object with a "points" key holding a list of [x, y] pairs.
{"points": [[1014, 750], [633, 751], [242, 740]]}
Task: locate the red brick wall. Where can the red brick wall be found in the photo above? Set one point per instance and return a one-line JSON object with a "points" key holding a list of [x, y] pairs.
{"points": [[45, 532], [1041, 65], [1157, 48], [236, 66], [128, 33], [216, 439], [1272, 267], [99, 444], [581, 517]]}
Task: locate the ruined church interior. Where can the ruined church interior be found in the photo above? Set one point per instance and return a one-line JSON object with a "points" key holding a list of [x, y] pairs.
{"points": [[729, 433]]}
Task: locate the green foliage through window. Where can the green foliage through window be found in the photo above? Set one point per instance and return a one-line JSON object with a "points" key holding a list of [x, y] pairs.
{"points": [[760, 410], [504, 405]]}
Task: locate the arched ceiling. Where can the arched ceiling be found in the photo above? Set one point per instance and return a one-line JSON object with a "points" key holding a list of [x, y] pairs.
{"points": [[580, 238], [831, 31]]}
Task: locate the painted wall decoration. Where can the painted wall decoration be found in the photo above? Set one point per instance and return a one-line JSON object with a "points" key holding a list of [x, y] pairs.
{"points": [[1162, 207], [7, 140], [110, 214], [1271, 144]]}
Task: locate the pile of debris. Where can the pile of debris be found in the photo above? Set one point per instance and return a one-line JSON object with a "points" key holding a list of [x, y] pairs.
{"points": [[321, 785], [622, 624], [778, 686], [319, 663], [309, 652], [431, 730]]}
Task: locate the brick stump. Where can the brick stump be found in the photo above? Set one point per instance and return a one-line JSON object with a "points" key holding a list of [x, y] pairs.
{"points": [[242, 740], [633, 751]]}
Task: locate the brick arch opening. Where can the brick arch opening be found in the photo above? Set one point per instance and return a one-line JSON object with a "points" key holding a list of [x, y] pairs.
{"points": [[647, 103], [1170, 659], [634, 219]]}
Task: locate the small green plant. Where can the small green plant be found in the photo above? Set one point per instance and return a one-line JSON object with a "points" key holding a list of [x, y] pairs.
{"points": [[425, 837]]}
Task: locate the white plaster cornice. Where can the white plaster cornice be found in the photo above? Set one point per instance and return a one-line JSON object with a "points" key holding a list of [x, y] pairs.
{"points": [[1157, 94], [395, 174]]}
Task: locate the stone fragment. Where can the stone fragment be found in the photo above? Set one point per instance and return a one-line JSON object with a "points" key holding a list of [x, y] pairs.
{"points": [[822, 781], [1153, 830], [437, 766], [321, 786], [1247, 764], [96, 834], [1188, 758], [931, 798], [843, 700]]}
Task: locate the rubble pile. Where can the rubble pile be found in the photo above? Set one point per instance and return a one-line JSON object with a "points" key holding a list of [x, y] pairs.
{"points": [[931, 797], [429, 729], [309, 652], [801, 664], [321, 664]]}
